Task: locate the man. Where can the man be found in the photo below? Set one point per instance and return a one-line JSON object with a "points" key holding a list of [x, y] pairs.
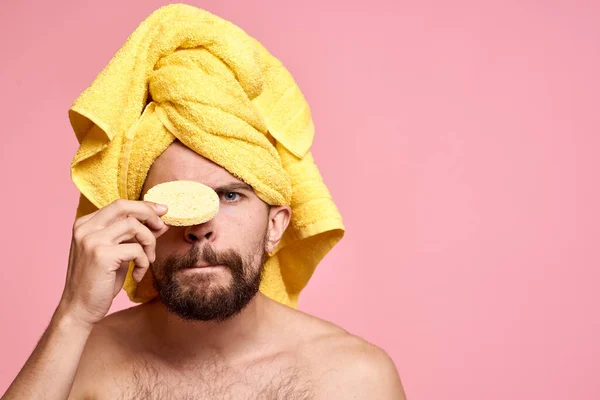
{"points": [[218, 317]]}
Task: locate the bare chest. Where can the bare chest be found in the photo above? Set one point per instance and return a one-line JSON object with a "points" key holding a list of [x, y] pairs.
{"points": [[212, 380]]}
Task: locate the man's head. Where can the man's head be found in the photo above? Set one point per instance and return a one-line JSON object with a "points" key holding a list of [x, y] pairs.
{"points": [[236, 241]]}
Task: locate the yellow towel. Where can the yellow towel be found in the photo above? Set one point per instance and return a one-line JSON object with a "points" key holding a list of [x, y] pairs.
{"points": [[187, 74]]}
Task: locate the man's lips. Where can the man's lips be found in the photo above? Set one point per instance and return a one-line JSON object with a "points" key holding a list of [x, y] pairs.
{"points": [[206, 266], [203, 269]]}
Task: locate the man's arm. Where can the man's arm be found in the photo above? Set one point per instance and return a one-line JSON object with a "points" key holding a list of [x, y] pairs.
{"points": [[102, 246], [51, 368]]}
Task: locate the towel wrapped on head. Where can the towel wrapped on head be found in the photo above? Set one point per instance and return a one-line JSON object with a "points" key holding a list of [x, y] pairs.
{"points": [[188, 75]]}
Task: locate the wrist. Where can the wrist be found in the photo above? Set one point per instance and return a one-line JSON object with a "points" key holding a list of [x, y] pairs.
{"points": [[65, 319]]}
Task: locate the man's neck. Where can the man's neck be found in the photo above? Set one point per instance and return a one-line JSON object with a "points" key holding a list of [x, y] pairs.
{"points": [[229, 339]]}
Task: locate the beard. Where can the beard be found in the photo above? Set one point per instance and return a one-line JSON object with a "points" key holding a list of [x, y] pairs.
{"points": [[195, 297]]}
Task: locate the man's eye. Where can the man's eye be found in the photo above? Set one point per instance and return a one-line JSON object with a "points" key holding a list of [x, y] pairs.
{"points": [[231, 196]]}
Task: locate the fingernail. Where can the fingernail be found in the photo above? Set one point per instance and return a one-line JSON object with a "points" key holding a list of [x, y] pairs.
{"points": [[161, 207]]}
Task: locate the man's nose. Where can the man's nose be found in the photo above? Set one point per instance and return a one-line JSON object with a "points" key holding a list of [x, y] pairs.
{"points": [[200, 233]]}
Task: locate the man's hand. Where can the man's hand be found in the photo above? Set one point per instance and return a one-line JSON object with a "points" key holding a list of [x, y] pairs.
{"points": [[103, 244]]}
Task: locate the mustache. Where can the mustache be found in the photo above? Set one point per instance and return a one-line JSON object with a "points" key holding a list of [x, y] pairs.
{"points": [[208, 255]]}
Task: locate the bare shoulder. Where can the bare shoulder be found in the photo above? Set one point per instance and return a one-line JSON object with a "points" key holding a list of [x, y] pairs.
{"points": [[348, 367], [107, 348]]}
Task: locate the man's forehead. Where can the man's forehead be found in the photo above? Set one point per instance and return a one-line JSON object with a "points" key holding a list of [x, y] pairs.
{"points": [[178, 162]]}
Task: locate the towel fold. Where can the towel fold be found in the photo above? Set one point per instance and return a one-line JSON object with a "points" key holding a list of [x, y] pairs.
{"points": [[185, 74]]}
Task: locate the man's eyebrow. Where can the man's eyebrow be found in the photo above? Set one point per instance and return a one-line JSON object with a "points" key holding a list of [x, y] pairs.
{"points": [[230, 187]]}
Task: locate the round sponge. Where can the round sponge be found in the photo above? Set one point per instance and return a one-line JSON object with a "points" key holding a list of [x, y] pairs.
{"points": [[189, 202]]}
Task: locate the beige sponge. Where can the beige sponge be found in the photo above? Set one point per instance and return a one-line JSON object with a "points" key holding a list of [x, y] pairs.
{"points": [[189, 202]]}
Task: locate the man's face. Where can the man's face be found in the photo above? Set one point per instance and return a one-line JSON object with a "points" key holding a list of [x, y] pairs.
{"points": [[233, 244]]}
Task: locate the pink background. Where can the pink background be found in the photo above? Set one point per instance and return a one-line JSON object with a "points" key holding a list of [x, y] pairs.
{"points": [[459, 139]]}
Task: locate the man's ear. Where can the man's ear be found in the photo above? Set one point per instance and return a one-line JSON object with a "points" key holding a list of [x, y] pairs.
{"points": [[279, 219]]}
